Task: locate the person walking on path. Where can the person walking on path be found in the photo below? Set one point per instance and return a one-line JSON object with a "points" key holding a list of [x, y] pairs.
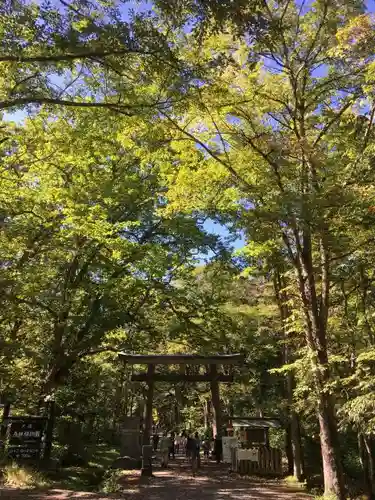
{"points": [[179, 442], [165, 445], [206, 448], [155, 441], [218, 448], [189, 447], [198, 449], [171, 446], [183, 443], [194, 454]]}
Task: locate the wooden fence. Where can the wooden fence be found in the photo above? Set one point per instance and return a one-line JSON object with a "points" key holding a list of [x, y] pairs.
{"points": [[265, 461]]}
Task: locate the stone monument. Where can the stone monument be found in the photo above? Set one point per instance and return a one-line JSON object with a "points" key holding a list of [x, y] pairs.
{"points": [[130, 445]]}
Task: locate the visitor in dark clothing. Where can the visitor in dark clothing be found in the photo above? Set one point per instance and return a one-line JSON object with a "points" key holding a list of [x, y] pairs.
{"points": [[172, 448], [194, 456], [206, 448], [218, 449], [155, 441], [198, 449], [189, 446]]}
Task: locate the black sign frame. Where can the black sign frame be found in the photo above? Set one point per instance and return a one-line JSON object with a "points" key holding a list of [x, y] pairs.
{"points": [[25, 435]]}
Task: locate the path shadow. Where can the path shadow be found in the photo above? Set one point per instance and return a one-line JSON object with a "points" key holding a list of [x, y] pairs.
{"points": [[212, 482]]}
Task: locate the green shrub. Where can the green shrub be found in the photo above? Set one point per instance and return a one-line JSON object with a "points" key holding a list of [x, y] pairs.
{"points": [[110, 483], [16, 476], [292, 481], [277, 438], [324, 497]]}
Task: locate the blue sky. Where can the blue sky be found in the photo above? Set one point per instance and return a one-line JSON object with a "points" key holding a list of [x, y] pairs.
{"points": [[222, 231]]}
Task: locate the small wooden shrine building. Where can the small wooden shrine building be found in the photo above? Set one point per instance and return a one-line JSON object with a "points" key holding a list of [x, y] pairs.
{"points": [[254, 431], [253, 454]]}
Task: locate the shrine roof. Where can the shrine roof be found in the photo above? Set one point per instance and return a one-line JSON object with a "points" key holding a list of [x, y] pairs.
{"points": [[256, 422]]}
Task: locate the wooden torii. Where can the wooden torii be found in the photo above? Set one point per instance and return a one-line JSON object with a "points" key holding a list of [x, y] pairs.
{"points": [[151, 376]]}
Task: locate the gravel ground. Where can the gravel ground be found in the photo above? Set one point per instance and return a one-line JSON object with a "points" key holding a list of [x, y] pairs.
{"points": [[176, 483]]}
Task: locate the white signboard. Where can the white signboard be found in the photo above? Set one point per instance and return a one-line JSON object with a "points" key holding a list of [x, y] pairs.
{"points": [[229, 442], [251, 455]]}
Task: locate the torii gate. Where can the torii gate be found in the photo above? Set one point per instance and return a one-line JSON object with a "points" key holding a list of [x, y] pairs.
{"points": [[212, 376]]}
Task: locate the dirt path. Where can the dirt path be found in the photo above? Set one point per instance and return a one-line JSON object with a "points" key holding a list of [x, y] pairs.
{"points": [[177, 483]]}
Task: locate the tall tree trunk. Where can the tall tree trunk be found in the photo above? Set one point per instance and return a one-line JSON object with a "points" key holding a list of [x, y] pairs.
{"points": [[52, 380], [316, 316], [298, 469], [369, 443], [294, 446], [289, 449], [368, 463], [295, 435], [59, 369], [332, 468], [364, 287], [332, 465]]}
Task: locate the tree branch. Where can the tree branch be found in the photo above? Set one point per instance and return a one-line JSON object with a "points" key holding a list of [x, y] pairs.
{"points": [[62, 102], [99, 350], [332, 122], [368, 131], [70, 7], [32, 302], [84, 54], [210, 152]]}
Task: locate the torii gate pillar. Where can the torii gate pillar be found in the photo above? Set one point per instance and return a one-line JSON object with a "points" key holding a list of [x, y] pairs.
{"points": [[149, 398], [215, 397]]}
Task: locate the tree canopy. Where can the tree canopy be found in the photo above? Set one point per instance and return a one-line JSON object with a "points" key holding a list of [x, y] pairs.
{"points": [[141, 128]]}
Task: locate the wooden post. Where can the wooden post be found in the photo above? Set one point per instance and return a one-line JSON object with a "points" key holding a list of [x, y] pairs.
{"points": [[267, 437], [206, 414], [146, 460], [4, 426], [179, 395], [49, 431], [215, 396], [149, 398]]}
